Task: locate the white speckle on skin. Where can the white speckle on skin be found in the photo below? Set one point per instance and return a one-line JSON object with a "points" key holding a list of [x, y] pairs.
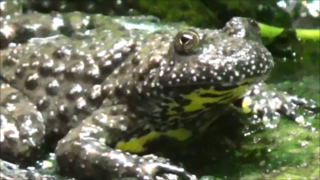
{"points": [[300, 120], [161, 73], [256, 91], [194, 78]]}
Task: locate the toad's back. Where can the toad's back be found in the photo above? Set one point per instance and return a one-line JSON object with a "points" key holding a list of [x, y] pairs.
{"points": [[62, 76]]}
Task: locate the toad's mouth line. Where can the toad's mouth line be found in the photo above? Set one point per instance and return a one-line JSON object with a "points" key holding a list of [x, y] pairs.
{"points": [[222, 86]]}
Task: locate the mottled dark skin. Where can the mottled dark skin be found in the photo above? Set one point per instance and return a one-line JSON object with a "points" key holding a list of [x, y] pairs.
{"points": [[108, 85]]}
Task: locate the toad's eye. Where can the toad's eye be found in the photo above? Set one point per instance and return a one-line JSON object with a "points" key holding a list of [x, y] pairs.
{"points": [[186, 42]]}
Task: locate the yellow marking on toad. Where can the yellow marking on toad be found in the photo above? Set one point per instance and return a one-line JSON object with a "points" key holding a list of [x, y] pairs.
{"points": [[197, 102], [247, 101], [179, 134], [136, 145], [171, 106], [46, 164], [175, 117]]}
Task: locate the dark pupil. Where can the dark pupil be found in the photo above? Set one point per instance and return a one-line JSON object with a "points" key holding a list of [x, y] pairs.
{"points": [[185, 38]]}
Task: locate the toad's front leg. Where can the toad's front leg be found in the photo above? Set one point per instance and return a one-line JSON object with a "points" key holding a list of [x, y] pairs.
{"points": [[268, 104], [22, 129], [87, 153]]}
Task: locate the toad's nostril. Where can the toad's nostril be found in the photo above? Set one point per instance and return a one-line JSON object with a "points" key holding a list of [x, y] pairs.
{"points": [[253, 23]]}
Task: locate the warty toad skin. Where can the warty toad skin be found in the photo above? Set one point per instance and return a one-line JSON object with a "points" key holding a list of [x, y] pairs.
{"points": [[100, 92]]}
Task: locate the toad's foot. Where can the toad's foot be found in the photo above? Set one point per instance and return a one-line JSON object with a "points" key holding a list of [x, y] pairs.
{"points": [[268, 105]]}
